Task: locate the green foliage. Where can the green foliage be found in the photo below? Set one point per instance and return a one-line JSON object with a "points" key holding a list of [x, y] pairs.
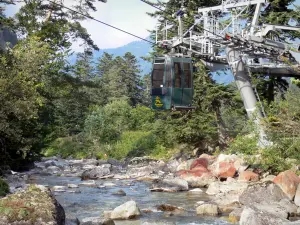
{"points": [[106, 124], [246, 145], [4, 188], [281, 156], [133, 144], [66, 147]]}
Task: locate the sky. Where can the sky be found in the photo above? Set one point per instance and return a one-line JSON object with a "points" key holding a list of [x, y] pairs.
{"points": [[129, 15]]}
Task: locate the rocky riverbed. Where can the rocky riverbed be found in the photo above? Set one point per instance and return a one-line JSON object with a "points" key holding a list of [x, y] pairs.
{"points": [[205, 190]]}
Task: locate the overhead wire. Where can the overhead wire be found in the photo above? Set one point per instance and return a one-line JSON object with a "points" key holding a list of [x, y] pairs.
{"points": [[99, 21]]}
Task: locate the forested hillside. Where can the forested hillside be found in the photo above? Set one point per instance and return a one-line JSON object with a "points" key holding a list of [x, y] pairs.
{"points": [[100, 106]]}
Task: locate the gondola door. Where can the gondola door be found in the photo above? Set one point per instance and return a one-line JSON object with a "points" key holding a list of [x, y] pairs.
{"points": [[178, 81], [187, 92]]}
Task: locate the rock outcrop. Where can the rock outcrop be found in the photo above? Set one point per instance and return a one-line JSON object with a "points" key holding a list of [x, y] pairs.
{"points": [[35, 205]]}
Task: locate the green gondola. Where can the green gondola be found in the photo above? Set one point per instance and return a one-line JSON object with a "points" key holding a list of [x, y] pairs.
{"points": [[172, 83]]}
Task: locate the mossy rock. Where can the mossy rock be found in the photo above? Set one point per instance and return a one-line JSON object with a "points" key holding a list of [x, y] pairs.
{"points": [[34, 205], [4, 188]]}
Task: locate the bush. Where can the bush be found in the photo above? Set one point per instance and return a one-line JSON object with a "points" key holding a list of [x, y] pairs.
{"points": [[282, 155], [106, 124], [4, 188], [133, 144], [244, 145], [66, 147]]}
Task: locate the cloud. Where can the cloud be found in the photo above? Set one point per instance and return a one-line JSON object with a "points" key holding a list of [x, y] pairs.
{"points": [[128, 15]]}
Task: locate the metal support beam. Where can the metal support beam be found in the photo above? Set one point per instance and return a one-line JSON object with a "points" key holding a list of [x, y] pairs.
{"points": [[243, 82]]}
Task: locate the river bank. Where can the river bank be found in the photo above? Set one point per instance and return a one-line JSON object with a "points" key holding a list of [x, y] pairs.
{"points": [[204, 190]]}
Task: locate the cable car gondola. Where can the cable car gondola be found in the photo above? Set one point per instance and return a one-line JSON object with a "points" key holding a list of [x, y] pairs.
{"points": [[172, 83]]}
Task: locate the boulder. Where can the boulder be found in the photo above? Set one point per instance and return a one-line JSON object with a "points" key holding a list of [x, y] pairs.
{"points": [[73, 186], [225, 187], [35, 205], [141, 160], [248, 176], [119, 192], [59, 189], [171, 166], [235, 215], [262, 192], [137, 171], [96, 221], [228, 208], [288, 181], [128, 210], [195, 172], [170, 185], [97, 172], [225, 169], [251, 216], [297, 196], [115, 163], [203, 162], [185, 165], [199, 181], [196, 190], [210, 158], [168, 208], [53, 169], [268, 197], [207, 209]]}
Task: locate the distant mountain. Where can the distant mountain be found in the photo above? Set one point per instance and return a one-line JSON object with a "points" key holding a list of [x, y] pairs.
{"points": [[142, 48], [137, 48]]}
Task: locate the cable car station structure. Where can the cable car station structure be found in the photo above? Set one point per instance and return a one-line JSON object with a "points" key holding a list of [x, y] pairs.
{"points": [[245, 48]]}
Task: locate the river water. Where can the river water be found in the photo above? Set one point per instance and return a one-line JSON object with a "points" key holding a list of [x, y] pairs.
{"points": [[92, 201]]}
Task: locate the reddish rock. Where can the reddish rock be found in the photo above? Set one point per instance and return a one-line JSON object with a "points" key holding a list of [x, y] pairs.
{"points": [[288, 182], [248, 176], [226, 169], [210, 158], [200, 168], [199, 162], [196, 172]]}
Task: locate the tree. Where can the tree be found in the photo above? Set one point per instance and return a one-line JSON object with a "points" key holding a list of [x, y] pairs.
{"points": [[54, 24], [21, 80]]}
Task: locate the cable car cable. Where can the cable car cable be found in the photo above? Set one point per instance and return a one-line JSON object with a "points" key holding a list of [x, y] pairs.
{"points": [[99, 21]]}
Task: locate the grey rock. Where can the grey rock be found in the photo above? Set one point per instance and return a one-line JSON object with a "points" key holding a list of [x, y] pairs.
{"points": [[170, 185], [267, 192], [97, 172], [141, 160], [297, 196], [235, 215], [128, 210], [269, 198], [207, 209], [59, 189], [119, 192], [96, 221], [251, 216]]}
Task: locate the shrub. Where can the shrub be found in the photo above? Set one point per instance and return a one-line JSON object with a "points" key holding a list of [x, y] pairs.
{"points": [[106, 124], [132, 144], [244, 145], [4, 188], [66, 147], [282, 155]]}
